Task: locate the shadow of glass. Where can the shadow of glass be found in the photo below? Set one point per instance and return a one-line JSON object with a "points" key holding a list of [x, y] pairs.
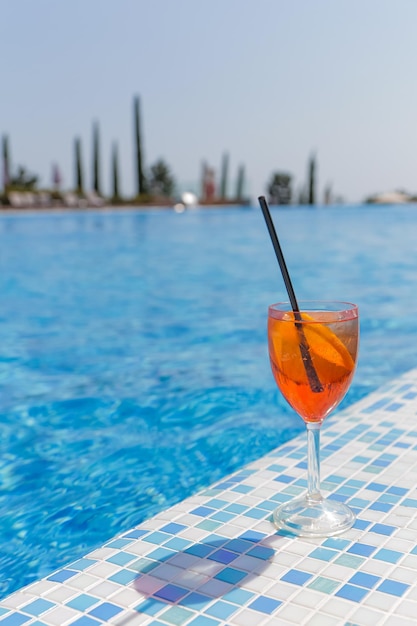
{"points": [[192, 574]]}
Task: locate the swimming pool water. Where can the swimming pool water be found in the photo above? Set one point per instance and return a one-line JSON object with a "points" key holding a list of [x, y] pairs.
{"points": [[133, 362]]}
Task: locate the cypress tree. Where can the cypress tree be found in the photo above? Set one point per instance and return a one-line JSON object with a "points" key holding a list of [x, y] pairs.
{"points": [[223, 183], [6, 162], [312, 181], [79, 185], [6, 165], [240, 183], [141, 180], [96, 159], [115, 172]]}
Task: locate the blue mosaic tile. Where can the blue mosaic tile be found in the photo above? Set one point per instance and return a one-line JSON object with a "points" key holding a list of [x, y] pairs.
{"points": [[389, 497], [239, 545], [195, 600], [383, 507], [225, 485], [284, 478], [105, 611], [156, 537], [173, 528], [238, 596], [161, 554], [202, 620], [177, 543], [376, 405], [361, 524], [276, 468], [383, 529], [335, 543], [236, 508], [393, 587], [171, 593], [323, 554], [231, 575], [255, 513], [86, 621], [335, 478], [261, 552], [37, 607], [338, 497], [351, 592], [216, 503], [222, 556], [82, 602], [296, 577], [203, 511], [143, 565], [376, 487], [243, 488], [121, 558], [364, 580], [16, 619], [363, 460], [135, 534], [263, 604], [253, 535], [222, 516], [390, 556], [267, 505], [62, 575], [353, 482], [221, 609], [124, 577], [150, 606], [359, 502], [361, 549], [302, 465], [199, 549], [395, 406], [216, 540], [410, 502]]}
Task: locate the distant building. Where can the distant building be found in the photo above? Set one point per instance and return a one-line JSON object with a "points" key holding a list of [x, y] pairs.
{"points": [[390, 197]]}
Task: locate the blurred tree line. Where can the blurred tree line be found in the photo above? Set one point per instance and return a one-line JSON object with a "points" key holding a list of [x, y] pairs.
{"points": [[156, 183]]}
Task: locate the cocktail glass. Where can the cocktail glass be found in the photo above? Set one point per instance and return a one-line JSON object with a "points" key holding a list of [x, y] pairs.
{"points": [[313, 357]]}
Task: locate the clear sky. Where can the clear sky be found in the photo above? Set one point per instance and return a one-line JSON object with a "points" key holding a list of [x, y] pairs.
{"points": [[268, 81]]}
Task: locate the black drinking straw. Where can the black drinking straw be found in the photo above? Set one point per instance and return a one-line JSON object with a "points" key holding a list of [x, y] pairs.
{"points": [[313, 378]]}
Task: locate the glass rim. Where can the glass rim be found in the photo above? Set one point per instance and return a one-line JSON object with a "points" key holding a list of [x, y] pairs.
{"points": [[344, 310]]}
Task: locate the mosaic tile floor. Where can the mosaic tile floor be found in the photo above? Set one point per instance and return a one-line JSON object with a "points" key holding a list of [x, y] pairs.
{"points": [[215, 558]]}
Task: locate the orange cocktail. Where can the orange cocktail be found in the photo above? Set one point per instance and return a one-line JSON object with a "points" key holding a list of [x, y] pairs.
{"points": [[313, 351], [332, 345]]}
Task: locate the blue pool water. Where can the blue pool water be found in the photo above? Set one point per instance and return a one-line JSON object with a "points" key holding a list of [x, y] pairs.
{"points": [[133, 362]]}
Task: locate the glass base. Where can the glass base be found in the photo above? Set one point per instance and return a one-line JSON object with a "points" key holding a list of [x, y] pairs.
{"points": [[314, 517]]}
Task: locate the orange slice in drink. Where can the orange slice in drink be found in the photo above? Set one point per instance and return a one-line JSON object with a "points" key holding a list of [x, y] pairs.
{"points": [[329, 355]]}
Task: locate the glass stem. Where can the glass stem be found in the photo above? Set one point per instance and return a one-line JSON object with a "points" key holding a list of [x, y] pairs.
{"points": [[313, 461]]}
